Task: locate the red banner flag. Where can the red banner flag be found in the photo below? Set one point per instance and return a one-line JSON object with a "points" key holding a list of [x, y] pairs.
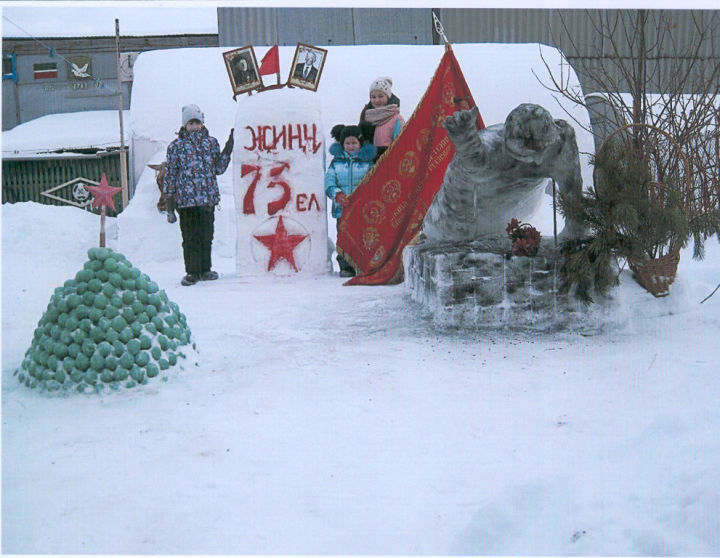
{"points": [[270, 64], [387, 209]]}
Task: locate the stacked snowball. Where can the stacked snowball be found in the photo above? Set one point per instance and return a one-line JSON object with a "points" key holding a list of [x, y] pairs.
{"points": [[109, 326]]}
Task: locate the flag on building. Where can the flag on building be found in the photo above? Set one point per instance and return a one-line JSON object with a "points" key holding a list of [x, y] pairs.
{"points": [[387, 209], [45, 70]]}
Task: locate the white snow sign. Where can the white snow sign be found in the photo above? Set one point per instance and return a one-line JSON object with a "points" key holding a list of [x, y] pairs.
{"points": [[278, 184]]}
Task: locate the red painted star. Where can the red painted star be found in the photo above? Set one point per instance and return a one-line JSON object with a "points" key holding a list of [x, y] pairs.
{"points": [[103, 194], [281, 245]]}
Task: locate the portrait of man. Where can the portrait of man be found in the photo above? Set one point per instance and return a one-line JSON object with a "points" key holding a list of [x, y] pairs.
{"points": [[306, 69], [242, 69], [307, 66]]}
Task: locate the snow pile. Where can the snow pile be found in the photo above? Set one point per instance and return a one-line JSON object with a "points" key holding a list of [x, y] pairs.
{"points": [[65, 133], [109, 326]]}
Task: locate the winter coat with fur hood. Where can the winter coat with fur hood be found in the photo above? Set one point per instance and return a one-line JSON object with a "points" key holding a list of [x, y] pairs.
{"points": [[193, 161], [346, 171]]}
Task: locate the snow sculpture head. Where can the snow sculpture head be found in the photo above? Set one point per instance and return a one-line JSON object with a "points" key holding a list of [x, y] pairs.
{"points": [[529, 131]]}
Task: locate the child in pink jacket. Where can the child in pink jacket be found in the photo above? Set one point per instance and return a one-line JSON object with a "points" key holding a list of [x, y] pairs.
{"points": [[380, 119]]}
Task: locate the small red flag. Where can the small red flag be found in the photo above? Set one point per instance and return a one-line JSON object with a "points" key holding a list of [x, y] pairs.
{"points": [[270, 63]]}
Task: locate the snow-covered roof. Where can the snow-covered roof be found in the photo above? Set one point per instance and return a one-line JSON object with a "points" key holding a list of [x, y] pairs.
{"points": [[94, 21], [64, 133]]}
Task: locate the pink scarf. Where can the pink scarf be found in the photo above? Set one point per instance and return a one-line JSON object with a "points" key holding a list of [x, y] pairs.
{"points": [[380, 115]]}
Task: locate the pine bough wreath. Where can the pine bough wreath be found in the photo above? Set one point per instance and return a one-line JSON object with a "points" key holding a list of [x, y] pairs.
{"points": [[110, 326]]}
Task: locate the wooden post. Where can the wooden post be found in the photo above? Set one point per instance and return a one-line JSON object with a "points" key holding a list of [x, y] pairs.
{"points": [[554, 213], [123, 159], [102, 227]]}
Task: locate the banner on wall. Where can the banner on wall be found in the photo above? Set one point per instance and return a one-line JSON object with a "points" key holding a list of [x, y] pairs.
{"points": [[388, 207]]}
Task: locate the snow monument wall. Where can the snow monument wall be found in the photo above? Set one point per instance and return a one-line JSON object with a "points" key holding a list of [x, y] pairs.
{"points": [[278, 181]]}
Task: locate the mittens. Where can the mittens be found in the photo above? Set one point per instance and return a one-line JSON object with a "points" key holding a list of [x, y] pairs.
{"points": [[170, 210], [227, 150], [342, 199]]}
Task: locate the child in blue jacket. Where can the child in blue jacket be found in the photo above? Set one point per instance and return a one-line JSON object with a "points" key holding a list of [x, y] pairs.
{"points": [[352, 160]]}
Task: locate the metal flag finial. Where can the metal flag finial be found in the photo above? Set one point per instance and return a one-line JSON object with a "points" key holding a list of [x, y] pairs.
{"points": [[439, 28]]}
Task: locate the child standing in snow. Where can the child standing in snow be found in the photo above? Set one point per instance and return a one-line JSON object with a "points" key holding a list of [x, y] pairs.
{"points": [[352, 160], [380, 119], [193, 160]]}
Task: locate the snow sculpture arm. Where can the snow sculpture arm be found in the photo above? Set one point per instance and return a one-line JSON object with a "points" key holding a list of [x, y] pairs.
{"points": [[463, 133], [568, 176]]}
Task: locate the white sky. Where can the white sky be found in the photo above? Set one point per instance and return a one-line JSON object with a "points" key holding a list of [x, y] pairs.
{"points": [[93, 20]]}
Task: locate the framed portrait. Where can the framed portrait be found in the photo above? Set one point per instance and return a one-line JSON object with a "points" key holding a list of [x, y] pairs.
{"points": [[307, 66], [242, 69]]}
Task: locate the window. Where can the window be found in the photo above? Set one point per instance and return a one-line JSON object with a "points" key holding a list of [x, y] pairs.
{"points": [[8, 69]]}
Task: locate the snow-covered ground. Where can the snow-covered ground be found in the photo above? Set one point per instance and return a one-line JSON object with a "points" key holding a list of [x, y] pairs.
{"points": [[317, 418], [330, 419]]}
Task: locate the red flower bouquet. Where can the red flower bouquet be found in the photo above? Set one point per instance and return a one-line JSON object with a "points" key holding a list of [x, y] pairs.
{"points": [[524, 237]]}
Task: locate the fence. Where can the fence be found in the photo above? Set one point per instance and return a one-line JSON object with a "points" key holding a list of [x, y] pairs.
{"points": [[53, 180]]}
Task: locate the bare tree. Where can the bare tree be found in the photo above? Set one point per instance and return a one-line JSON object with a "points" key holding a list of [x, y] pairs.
{"points": [[646, 74]]}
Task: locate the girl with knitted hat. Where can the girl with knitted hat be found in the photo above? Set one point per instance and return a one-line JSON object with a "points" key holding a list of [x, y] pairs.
{"points": [[380, 119], [352, 160]]}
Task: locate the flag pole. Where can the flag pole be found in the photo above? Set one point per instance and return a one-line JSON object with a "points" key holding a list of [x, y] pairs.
{"points": [[123, 160], [440, 30]]}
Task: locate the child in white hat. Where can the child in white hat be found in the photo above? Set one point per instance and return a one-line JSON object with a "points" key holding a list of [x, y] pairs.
{"points": [[380, 119]]}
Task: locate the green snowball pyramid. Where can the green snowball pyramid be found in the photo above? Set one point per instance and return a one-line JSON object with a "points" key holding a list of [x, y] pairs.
{"points": [[110, 326]]}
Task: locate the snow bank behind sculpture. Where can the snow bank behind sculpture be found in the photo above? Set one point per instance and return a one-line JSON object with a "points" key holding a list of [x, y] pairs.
{"points": [[278, 177]]}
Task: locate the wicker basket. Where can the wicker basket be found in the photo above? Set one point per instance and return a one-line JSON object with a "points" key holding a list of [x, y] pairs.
{"points": [[657, 274]]}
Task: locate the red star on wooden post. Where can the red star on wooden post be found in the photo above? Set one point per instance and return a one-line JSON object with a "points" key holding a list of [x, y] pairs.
{"points": [[103, 194], [281, 245], [102, 197]]}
